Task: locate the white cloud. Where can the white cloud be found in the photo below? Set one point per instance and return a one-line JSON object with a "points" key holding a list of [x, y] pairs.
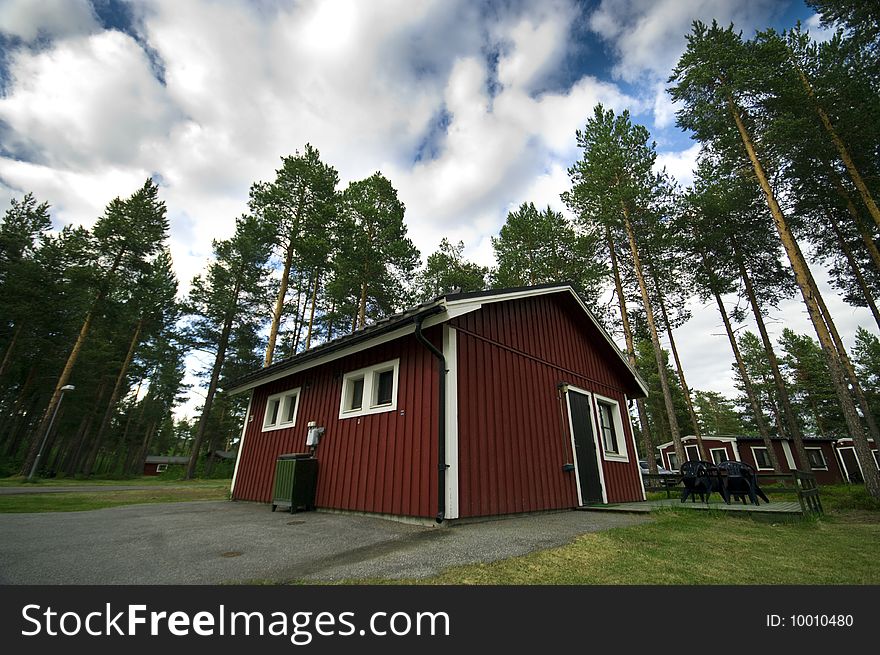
{"points": [[680, 165], [28, 19], [247, 83], [817, 32], [648, 35]]}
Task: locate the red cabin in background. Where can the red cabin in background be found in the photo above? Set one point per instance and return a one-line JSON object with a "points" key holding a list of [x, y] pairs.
{"points": [[475, 404], [824, 462]]}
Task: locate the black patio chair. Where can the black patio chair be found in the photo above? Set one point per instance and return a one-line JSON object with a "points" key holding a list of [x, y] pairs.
{"points": [[697, 478], [742, 482]]}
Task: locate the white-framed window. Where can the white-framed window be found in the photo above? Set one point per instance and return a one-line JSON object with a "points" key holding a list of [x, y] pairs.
{"points": [[370, 390], [161, 468], [817, 459], [876, 459], [693, 453], [673, 461], [762, 459], [611, 429], [281, 409], [718, 455]]}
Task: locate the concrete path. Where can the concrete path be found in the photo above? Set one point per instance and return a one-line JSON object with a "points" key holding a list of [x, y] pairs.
{"points": [[214, 542]]}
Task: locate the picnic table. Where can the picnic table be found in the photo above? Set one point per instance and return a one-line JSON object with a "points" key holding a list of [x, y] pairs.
{"points": [[736, 480]]}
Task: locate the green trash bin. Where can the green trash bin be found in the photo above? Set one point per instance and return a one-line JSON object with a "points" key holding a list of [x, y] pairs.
{"points": [[296, 478]]}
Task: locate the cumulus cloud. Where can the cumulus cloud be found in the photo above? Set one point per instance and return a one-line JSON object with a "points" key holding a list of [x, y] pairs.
{"points": [[30, 19], [647, 35], [680, 165], [459, 104]]}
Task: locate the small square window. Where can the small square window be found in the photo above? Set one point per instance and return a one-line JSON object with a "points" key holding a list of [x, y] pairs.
{"points": [[816, 458], [718, 455], [762, 459], [281, 410]]}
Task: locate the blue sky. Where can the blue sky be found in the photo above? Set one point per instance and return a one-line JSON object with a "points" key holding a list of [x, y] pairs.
{"points": [[469, 108]]}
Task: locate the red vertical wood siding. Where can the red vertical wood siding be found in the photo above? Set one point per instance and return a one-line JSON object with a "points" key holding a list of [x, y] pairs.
{"points": [[384, 463], [513, 434]]}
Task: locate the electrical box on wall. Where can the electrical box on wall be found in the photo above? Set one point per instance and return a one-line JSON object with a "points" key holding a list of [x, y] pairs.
{"points": [[314, 435]]}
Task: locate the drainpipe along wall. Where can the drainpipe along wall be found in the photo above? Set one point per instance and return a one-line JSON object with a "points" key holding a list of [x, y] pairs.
{"points": [[441, 421]]}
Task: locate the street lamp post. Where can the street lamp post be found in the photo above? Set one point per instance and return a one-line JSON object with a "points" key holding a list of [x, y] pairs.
{"points": [[66, 387]]}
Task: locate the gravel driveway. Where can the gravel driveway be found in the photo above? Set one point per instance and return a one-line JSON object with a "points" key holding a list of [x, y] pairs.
{"points": [[213, 542]]}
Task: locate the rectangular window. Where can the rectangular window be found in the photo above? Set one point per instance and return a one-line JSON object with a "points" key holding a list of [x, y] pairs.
{"points": [[817, 459], [160, 468], [370, 390], [718, 455], [609, 436], [281, 410], [693, 453], [611, 429], [383, 383], [673, 461], [876, 461], [356, 393], [762, 459]]}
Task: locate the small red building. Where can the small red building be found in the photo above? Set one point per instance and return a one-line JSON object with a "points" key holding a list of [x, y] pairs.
{"points": [[475, 404], [751, 449], [156, 464]]}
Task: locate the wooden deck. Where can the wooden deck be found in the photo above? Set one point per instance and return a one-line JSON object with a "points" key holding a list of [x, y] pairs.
{"points": [[646, 506]]}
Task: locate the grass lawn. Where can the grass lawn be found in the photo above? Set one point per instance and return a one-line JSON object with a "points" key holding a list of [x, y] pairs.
{"points": [[20, 481], [688, 547], [167, 491]]}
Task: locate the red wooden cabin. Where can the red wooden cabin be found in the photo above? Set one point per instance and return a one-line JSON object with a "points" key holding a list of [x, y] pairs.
{"points": [[530, 415], [751, 449]]}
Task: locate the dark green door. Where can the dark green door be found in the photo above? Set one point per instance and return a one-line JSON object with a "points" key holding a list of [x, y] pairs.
{"points": [[584, 448]]}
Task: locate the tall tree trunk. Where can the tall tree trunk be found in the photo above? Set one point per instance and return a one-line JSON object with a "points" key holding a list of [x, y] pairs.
{"points": [[17, 408], [856, 271], [811, 295], [655, 339], [867, 238], [843, 151], [71, 465], [7, 356], [791, 422], [684, 386], [219, 358], [63, 379], [300, 312], [647, 436], [362, 307], [114, 395], [849, 372], [312, 311], [749, 387], [279, 304], [136, 467]]}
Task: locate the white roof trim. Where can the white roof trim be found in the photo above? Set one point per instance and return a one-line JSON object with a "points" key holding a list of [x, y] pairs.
{"points": [[692, 437], [453, 308]]}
